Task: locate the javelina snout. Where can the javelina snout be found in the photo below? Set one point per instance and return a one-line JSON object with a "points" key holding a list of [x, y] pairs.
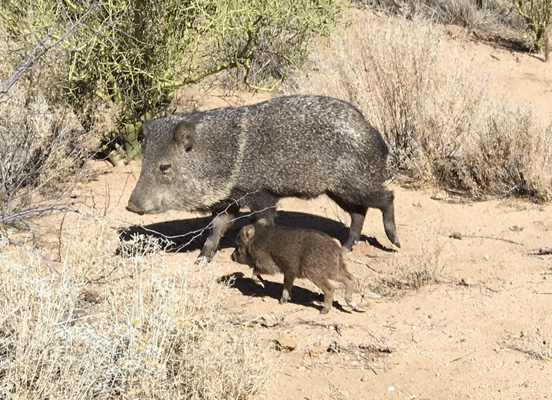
{"points": [[297, 253], [225, 159], [134, 208]]}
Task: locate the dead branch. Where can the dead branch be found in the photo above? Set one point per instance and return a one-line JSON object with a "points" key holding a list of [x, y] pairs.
{"points": [[460, 236]]}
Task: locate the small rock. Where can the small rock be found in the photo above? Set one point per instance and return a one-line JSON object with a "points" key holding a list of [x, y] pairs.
{"points": [[439, 196], [270, 319], [317, 351], [285, 343], [456, 235], [334, 347]]}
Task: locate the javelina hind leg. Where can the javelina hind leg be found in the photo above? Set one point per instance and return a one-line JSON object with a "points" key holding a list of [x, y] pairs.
{"points": [[384, 201], [220, 224], [357, 213], [288, 285], [348, 280], [327, 288]]}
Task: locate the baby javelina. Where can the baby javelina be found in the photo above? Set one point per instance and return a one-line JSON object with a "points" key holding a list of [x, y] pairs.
{"points": [[297, 253]]}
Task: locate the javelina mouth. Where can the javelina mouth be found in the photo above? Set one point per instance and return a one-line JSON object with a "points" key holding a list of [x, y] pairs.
{"points": [[132, 208]]}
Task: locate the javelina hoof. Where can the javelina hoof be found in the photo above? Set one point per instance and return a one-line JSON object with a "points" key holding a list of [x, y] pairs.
{"points": [[324, 311], [345, 249], [258, 281], [285, 298], [202, 261], [356, 308], [353, 305]]}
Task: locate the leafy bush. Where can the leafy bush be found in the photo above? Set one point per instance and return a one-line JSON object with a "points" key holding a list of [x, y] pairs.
{"points": [[538, 15], [133, 54]]}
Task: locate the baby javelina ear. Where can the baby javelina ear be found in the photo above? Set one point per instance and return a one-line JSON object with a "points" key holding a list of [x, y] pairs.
{"points": [[297, 253]]}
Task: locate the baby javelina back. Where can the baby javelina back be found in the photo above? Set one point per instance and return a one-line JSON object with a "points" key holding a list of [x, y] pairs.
{"points": [[297, 253]]}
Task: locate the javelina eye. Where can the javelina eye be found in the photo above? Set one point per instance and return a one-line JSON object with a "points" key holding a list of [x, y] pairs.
{"points": [[164, 168]]}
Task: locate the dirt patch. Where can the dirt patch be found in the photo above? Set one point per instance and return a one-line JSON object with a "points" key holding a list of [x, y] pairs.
{"points": [[477, 327]]}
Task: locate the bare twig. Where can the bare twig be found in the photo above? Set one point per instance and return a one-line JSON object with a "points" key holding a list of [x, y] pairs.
{"points": [[460, 236], [363, 263], [49, 261]]}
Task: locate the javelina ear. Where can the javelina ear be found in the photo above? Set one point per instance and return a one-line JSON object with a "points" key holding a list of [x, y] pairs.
{"points": [[145, 127], [184, 135], [248, 232]]}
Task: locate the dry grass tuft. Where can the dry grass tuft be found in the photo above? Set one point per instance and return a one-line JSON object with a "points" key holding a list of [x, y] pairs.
{"points": [[155, 334], [537, 344], [434, 113], [403, 274]]}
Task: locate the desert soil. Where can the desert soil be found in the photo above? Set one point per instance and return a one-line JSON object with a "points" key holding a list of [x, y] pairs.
{"points": [[482, 330]]}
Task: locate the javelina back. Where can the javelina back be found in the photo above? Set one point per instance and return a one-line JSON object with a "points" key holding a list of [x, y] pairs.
{"points": [[297, 253], [224, 159]]}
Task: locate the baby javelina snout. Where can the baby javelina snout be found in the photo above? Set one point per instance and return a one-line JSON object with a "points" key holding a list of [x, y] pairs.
{"points": [[297, 253]]}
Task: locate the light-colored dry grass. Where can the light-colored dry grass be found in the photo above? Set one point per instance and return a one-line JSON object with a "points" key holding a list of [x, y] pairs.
{"points": [[433, 112], [42, 143], [536, 344], [402, 274], [143, 331]]}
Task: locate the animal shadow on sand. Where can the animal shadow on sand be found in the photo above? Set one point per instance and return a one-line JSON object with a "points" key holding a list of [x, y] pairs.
{"points": [[299, 295], [189, 234]]}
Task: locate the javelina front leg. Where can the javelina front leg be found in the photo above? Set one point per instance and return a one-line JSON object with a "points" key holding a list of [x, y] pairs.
{"points": [[288, 284], [257, 279], [357, 221], [357, 213], [388, 212], [220, 225]]}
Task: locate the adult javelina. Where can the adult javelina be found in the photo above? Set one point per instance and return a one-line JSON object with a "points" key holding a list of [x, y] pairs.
{"points": [[297, 253], [224, 159]]}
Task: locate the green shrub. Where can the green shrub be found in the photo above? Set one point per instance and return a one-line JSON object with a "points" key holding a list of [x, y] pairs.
{"points": [[134, 54], [537, 14]]}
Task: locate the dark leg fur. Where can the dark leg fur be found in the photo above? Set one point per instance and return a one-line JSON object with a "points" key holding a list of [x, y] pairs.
{"points": [[220, 224], [382, 200], [262, 205], [288, 285], [357, 213]]}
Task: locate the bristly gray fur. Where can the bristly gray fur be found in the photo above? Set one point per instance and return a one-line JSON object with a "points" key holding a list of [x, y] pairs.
{"points": [[301, 146]]}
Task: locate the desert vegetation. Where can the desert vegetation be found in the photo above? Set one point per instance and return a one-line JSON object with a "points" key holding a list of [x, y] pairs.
{"points": [[93, 315], [435, 114]]}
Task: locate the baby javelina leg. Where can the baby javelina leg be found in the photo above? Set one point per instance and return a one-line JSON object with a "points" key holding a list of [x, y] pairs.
{"points": [[256, 276], [345, 277]]}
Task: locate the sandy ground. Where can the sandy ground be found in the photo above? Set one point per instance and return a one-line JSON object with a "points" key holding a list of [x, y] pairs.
{"points": [[482, 330]]}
